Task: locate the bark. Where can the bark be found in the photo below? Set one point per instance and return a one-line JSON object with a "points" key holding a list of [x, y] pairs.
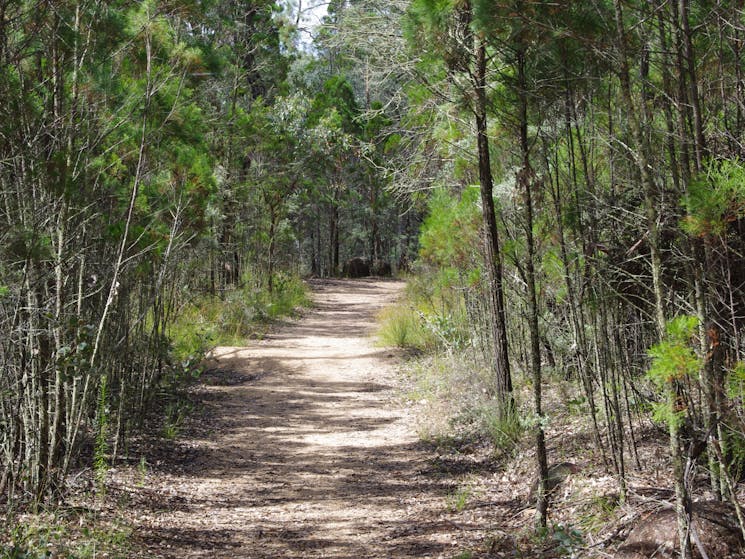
{"points": [[643, 162], [492, 256], [698, 127], [666, 105]]}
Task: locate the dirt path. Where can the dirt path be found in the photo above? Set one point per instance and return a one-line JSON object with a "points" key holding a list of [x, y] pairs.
{"points": [[303, 451]]}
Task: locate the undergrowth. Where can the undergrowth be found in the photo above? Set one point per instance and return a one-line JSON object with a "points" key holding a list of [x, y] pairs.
{"points": [[449, 381], [67, 533], [231, 317], [430, 317], [455, 402], [198, 324]]}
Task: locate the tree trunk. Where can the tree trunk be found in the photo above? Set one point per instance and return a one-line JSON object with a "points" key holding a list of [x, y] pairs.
{"points": [[492, 257], [526, 182], [642, 160]]}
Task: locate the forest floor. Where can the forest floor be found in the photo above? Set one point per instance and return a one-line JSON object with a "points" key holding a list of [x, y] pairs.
{"points": [[301, 447]]}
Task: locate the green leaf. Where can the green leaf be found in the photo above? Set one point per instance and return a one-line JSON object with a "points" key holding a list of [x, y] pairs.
{"points": [[663, 412], [736, 381], [674, 357], [714, 199]]}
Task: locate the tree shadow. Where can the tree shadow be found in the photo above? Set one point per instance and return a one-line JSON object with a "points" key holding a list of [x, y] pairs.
{"points": [[314, 465]]}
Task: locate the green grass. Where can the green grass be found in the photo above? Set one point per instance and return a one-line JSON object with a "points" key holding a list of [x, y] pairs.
{"points": [[229, 319], [402, 326], [73, 535], [176, 413], [504, 432], [458, 500], [598, 512], [450, 382], [426, 319], [453, 393]]}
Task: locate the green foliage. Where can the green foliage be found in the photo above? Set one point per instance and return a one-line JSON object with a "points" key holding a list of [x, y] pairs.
{"points": [[431, 316], [176, 413], [70, 535], [402, 326], [457, 500], [453, 392], [673, 360], [732, 442], [449, 236], [715, 199], [598, 512], [336, 97], [733, 447], [449, 264], [208, 321], [569, 540], [736, 381], [193, 330], [505, 432]]}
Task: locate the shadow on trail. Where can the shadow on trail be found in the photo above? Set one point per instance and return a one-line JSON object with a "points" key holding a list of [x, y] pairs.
{"points": [[296, 451]]}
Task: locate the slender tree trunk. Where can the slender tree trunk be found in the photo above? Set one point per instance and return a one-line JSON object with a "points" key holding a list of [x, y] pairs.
{"points": [[527, 182], [492, 257], [668, 89], [273, 218], [642, 160], [698, 127]]}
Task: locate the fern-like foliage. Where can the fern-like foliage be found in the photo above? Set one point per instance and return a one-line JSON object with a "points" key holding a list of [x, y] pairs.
{"points": [[673, 359]]}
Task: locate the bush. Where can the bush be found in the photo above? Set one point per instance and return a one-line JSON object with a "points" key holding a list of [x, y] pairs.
{"points": [[451, 383], [453, 393], [431, 315]]}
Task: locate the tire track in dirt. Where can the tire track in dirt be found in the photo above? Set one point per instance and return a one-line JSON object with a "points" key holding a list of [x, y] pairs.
{"points": [[303, 450]]}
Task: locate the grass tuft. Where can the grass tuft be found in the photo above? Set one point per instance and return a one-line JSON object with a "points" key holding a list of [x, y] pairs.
{"points": [[402, 326], [453, 394]]}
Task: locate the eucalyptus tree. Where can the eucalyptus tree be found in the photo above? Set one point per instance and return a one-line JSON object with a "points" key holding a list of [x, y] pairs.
{"points": [[279, 155], [362, 65], [246, 39]]}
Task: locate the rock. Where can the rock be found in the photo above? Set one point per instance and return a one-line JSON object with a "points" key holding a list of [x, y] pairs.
{"points": [[356, 268], [656, 534]]}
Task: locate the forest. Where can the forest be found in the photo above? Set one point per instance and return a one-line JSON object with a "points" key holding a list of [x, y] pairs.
{"points": [[560, 184]]}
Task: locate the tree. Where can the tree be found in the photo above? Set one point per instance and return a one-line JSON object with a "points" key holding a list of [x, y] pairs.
{"points": [[446, 29]]}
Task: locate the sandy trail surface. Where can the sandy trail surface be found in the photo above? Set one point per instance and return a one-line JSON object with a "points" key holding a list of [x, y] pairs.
{"points": [[302, 449]]}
